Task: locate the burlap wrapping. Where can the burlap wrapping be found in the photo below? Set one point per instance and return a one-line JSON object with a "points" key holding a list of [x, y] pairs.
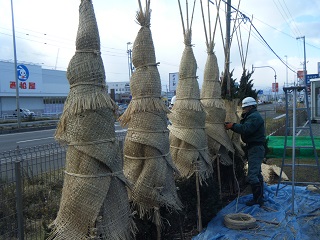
{"points": [[94, 181], [219, 142], [148, 163], [188, 141], [147, 160], [232, 116]]}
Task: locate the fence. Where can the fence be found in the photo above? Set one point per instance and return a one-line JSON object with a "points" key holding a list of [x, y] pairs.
{"points": [[31, 180]]}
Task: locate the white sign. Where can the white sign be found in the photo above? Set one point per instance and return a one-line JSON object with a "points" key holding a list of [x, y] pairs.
{"points": [[173, 81], [29, 78]]}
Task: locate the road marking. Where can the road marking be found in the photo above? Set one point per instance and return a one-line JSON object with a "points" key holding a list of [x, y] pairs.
{"points": [[33, 140], [10, 134], [280, 116]]}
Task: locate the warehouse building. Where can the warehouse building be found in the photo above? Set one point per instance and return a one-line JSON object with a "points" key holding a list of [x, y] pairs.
{"points": [[42, 90]]}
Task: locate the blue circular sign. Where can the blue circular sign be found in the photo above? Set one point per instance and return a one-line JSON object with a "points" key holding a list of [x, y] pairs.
{"points": [[23, 72]]}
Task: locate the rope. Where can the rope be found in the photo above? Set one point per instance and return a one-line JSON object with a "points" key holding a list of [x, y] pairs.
{"points": [[87, 83], [182, 78], [185, 127], [148, 65], [187, 98], [148, 131], [189, 149], [235, 177], [95, 176], [146, 158], [89, 51], [92, 142]]}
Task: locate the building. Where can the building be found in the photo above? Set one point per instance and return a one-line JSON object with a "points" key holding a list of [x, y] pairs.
{"points": [[315, 99], [42, 90]]}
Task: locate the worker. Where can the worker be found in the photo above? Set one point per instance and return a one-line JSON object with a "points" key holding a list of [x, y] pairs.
{"points": [[252, 130], [173, 100]]}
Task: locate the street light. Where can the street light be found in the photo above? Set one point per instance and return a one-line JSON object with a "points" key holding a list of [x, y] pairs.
{"points": [[305, 61], [304, 68], [275, 79], [15, 69], [129, 59]]}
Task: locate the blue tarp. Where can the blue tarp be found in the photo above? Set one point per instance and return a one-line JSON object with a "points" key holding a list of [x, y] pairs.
{"points": [[303, 224]]}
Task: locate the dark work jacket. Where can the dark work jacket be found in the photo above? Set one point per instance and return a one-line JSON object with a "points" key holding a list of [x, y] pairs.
{"points": [[251, 128]]}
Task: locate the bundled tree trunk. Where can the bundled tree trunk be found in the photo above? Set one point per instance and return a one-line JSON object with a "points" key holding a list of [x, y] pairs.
{"points": [[147, 159], [219, 142], [188, 141], [233, 115], [94, 202]]}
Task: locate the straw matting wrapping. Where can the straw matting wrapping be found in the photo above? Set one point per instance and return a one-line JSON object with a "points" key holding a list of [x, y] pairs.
{"points": [[146, 93], [147, 160], [148, 163], [219, 142], [232, 116], [188, 93], [188, 140], [143, 50], [93, 163]]}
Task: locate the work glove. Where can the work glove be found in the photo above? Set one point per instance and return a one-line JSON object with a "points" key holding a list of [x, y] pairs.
{"points": [[228, 125]]}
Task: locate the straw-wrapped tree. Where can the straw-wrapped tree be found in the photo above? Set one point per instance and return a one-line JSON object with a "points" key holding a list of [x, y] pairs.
{"points": [[219, 143], [188, 140], [147, 159], [94, 202]]}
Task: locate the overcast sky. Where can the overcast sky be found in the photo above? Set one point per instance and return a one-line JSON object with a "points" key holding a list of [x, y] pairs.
{"points": [[46, 31]]}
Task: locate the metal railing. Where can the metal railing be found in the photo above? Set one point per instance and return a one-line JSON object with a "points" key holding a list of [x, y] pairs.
{"points": [[31, 181]]}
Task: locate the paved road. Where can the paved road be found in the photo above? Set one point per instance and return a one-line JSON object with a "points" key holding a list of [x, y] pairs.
{"points": [[30, 139], [267, 110]]}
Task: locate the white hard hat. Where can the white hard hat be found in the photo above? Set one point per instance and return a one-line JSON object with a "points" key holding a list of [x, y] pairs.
{"points": [[248, 101], [173, 100]]}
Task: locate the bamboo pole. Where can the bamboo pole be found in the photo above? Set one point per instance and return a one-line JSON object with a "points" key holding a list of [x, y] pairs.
{"points": [[199, 225]]}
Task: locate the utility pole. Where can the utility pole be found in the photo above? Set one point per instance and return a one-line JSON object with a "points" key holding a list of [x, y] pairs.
{"points": [[15, 69], [286, 70], [304, 67], [129, 60]]}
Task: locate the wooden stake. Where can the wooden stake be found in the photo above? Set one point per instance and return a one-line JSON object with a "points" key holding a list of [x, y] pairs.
{"points": [[198, 202], [219, 176]]}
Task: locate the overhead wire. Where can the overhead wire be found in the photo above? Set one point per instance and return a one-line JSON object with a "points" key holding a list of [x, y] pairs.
{"points": [[286, 18], [296, 26], [259, 34]]}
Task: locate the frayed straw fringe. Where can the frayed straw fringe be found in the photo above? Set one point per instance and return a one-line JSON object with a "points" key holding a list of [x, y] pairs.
{"points": [[55, 234], [91, 101], [213, 102], [142, 105], [78, 103], [125, 235], [189, 104], [149, 213]]}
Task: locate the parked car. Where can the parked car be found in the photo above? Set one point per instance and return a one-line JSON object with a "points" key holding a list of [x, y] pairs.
{"points": [[25, 113], [122, 108]]}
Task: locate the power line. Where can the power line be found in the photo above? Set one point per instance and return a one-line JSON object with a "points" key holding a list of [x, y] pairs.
{"points": [[264, 41]]}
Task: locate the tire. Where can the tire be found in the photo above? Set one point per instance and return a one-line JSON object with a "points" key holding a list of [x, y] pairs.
{"points": [[239, 221]]}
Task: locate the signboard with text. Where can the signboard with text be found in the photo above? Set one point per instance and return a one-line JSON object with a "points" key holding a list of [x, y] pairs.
{"points": [[29, 78], [173, 81], [275, 87], [311, 76], [300, 74]]}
